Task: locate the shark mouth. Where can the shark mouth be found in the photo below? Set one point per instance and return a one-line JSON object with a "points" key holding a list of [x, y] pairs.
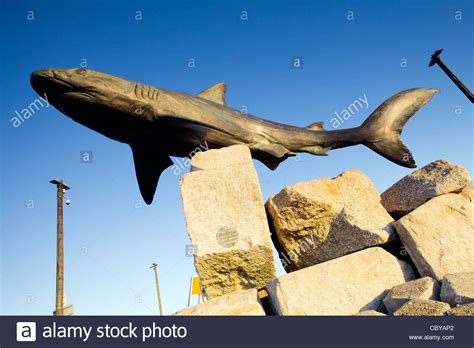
{"points": [[50, 84], [74, 98], [44, 82]]}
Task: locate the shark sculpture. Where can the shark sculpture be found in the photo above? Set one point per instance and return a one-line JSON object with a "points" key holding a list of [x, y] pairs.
{"points": [[158, 123]]}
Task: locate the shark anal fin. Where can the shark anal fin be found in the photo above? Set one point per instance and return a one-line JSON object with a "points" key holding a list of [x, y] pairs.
{"points": [[272, 149], [270, 154], [316, 126], [148, 167], [214, 93], [316, 150]]}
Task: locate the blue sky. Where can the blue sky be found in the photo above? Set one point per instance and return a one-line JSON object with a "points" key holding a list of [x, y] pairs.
{"points": [[111, 237]]}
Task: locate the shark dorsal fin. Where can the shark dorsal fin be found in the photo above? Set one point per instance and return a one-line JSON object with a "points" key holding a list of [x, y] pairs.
{"points": [[214, 93], [316, 126]]}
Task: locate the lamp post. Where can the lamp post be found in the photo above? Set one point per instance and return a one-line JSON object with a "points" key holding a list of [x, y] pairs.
{"points": [[61, 188], [154, 267], [435, 59]]}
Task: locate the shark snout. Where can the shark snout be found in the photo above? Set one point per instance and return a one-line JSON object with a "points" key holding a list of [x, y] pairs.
{"points": [[50, 82], [43, 73], [40, 78]]}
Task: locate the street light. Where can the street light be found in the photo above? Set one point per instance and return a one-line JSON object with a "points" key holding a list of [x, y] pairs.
{"points": [[61, 188], [154, 266]]}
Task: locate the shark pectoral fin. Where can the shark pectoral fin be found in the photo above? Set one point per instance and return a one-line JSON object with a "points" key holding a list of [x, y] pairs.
{"points": [[270, 154], [316, 126], [148, 168], [214, 93]]}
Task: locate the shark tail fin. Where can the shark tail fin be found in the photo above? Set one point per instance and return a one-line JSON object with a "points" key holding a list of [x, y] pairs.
{"points": [[382, 129]]}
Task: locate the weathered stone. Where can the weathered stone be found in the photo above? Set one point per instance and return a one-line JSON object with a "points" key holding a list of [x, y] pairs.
{"points": [[425, 289], [458, 288], [468, 192], [422, 308], [227, 224], [221, 159], [434, 179], [323, 219], [243, 302], [370, 313], [343, 286], [439, 235], [462, 310]]}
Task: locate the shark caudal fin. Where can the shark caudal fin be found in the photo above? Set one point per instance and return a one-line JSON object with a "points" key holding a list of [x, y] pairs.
{"points": [[382, 129]]}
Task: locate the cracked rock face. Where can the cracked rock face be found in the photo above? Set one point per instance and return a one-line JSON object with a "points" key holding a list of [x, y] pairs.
{"points": [[439, 235], [243, 302], [422, 308], [437, 178], [226, 221], [425, 288], [458, 288], [343, 286], [323, 219]]}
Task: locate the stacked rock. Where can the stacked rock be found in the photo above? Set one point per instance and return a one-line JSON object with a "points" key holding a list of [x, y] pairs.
{"points": [[332, 236], [226, 222]]}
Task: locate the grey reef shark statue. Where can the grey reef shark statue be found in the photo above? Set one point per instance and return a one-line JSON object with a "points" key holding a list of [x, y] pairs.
{"points": [[158, 123]]}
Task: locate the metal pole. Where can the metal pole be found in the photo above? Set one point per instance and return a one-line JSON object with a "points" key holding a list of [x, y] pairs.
{"points": [[154, 267], [456, 80], [60, 256], [61, 187], [190, 291], [435, 59]]}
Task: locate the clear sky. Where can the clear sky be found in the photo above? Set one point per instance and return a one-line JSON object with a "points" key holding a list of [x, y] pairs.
{"points": [[348, 49]]}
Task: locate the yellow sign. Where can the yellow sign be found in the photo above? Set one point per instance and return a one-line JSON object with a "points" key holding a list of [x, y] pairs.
{"points": [[195, 286]]}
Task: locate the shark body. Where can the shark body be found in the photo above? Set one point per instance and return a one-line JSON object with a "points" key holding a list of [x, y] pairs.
{"points": [[159, 123]]}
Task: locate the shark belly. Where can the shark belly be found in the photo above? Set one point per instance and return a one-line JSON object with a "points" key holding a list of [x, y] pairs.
{"points": [[180, 138]]}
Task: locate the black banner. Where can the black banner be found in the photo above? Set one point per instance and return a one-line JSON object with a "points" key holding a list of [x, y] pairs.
{"points": [[101, 331]]}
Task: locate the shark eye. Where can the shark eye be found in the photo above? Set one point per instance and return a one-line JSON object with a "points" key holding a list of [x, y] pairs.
{"points": [[81, 71]]}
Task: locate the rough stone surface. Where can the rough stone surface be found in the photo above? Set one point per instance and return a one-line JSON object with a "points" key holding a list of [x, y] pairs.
{"points": [[424, 288], [343, 286], [434, 179], [458, 288], [468, 192], [439, 235], [323, 219], [371, 313], [422, 308], [462, 310], [227, 224], [243, 302], [222, 158]]}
